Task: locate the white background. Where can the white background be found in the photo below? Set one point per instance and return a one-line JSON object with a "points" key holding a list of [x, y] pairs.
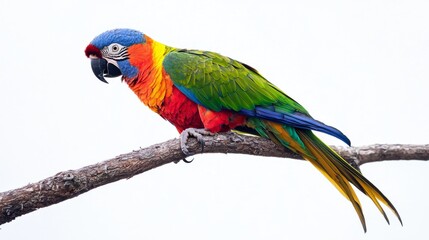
{"points": [[361, 66]]}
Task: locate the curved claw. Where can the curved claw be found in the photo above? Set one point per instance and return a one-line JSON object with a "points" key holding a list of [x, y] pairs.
{"points": [[187, 161], [184, 160], [193, 132]]}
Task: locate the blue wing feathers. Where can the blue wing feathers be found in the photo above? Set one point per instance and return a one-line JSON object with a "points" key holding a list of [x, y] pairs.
{"points": [[297, 120]]}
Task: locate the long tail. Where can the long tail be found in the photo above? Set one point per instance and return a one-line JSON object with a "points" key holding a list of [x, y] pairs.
{"points": [[338, 171]]}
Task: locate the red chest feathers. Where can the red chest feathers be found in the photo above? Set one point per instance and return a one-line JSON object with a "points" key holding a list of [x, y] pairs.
{"points": [[180, 111], [183, 114]]}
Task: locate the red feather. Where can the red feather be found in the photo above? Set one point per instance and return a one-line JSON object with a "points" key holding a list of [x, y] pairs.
{"points": [[180, 111], [92, 50]]}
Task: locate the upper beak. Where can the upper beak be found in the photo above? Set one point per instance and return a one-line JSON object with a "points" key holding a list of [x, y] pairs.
{"points": [[102, 68]]}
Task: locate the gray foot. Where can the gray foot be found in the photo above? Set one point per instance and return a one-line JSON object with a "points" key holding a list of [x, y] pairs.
{"points": [[193, 132]]}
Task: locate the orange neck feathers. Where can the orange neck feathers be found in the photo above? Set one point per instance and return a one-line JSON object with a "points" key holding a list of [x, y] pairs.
{"points": [[151, 84]]}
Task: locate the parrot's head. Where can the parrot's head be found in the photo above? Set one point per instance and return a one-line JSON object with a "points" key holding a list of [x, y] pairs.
{"points": [[110, 53]]}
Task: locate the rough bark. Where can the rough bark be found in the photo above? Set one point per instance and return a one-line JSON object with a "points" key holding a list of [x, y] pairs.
{"points": [[71, 183]]}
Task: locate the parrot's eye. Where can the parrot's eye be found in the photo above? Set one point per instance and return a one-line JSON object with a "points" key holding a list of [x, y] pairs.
{"points": [[115, 48], [115, 51]]}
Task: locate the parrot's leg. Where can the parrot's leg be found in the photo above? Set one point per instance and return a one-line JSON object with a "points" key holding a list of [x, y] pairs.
{"points": [[197, 133]]}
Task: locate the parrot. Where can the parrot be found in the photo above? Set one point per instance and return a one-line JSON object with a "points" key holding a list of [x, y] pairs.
{"points": [[203, 93]]}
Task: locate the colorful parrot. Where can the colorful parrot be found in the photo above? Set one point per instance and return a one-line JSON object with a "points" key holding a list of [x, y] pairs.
{"points": [[202, 92]]}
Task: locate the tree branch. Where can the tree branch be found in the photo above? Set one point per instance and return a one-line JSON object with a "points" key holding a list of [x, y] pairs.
{"points": [[72, 183]]}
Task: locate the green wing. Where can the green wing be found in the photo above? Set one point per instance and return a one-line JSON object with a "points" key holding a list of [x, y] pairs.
{"points": [[219, 82]]}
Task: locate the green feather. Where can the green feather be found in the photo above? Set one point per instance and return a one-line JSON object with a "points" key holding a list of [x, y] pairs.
{"points": [[219, 82]]}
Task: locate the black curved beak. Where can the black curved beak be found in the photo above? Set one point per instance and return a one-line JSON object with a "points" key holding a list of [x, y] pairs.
{"points": [[102, 68]]}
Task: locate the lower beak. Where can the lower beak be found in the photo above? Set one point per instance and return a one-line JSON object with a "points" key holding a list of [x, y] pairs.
{"points": [[102, 68]]}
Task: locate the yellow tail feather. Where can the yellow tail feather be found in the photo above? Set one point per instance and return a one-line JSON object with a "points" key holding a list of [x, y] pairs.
{"points": [[339, 181], [332, 166]]}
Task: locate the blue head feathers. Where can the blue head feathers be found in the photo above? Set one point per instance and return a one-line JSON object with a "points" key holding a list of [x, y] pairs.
{"points": [[123, 36]]}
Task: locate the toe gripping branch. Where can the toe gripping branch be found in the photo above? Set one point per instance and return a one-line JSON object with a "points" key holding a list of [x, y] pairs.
{"points": [[192, 132]]}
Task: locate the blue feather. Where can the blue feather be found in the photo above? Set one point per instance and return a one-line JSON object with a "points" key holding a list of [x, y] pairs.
{"points": [[127, 69], [125, 37], [297, 120], [188, 93]]}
